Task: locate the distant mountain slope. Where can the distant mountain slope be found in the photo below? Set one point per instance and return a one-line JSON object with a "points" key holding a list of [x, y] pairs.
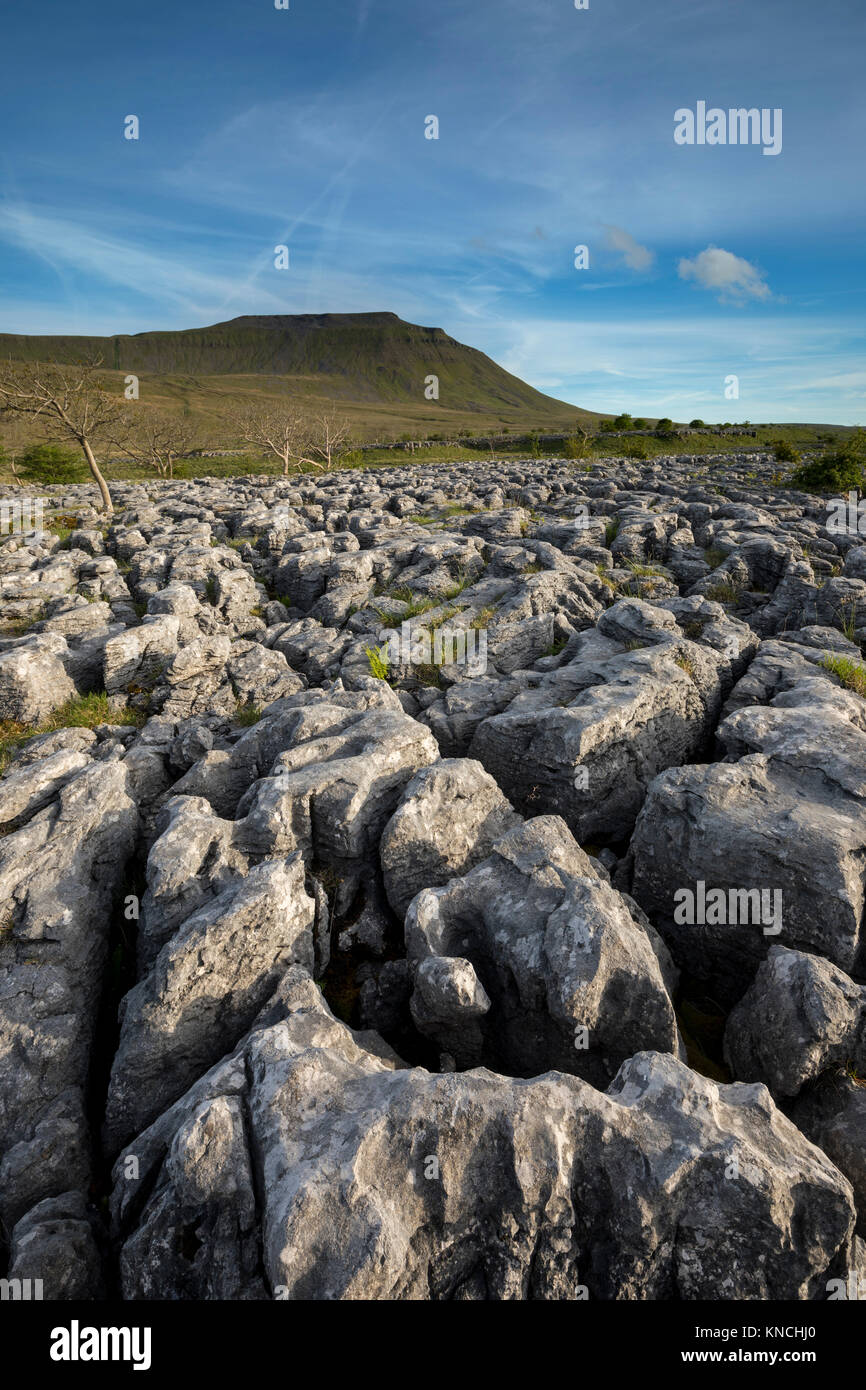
{"points": [[361, 358]]}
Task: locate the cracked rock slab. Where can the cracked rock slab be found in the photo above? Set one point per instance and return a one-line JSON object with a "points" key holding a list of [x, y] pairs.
{"points": [[306, 1167]]}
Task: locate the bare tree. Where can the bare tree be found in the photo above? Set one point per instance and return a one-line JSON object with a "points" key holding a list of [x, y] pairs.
{"points": [[279, 431], [14, 438], [294, 440], [156, 438], [69, 403], [328, 439]]}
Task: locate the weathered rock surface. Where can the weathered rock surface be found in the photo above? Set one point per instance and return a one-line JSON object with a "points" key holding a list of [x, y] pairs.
{"points": [[799, 1017], [637, 696], [833, 1115], [570, 978], [550, 774], [204, 990], [307, 1167], [451, 815], [33, 680], [782, 815], [60, 878], [53, 1247]]}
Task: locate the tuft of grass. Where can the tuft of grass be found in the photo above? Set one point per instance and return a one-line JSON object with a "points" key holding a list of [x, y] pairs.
{"points": [[724, 592], [16, 627], [851, 673], [848, 625], [62, 533], [379, 663], [714, 556], [533, 569], [427, 673], [686, 664], [82, 712], [247, 714], [482, 619], [611, 531], [414, 606], [605, 577], [463, 581], [442, 618], [647, 571]]}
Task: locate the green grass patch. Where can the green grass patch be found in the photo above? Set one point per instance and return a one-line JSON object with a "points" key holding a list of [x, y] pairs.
{"points": [[483, 619], [427, 673], [647, 571], [556, 647], [848, 622], [247, 714], [851, 673], [414, 606], [82, 712], [463, 581], [686, 664], [605, 577], [442, 618], [16, 627], [714, 556], [724, 592], [378, 662]]}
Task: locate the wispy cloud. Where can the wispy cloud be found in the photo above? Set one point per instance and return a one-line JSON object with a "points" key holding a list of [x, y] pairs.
{"points": [[175, 279]]}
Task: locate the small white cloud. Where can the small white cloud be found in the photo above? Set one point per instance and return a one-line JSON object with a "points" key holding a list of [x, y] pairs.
{"points": [[636, 257], [733, 278]]}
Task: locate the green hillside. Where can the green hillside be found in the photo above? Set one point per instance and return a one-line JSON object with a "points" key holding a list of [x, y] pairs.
{"points": [[374, 366]]}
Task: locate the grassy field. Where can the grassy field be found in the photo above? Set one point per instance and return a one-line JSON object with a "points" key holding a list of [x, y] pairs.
{"points": [[806, 438]]}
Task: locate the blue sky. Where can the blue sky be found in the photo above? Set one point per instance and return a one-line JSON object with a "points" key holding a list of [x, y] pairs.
{"points": [[305, 127]]}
